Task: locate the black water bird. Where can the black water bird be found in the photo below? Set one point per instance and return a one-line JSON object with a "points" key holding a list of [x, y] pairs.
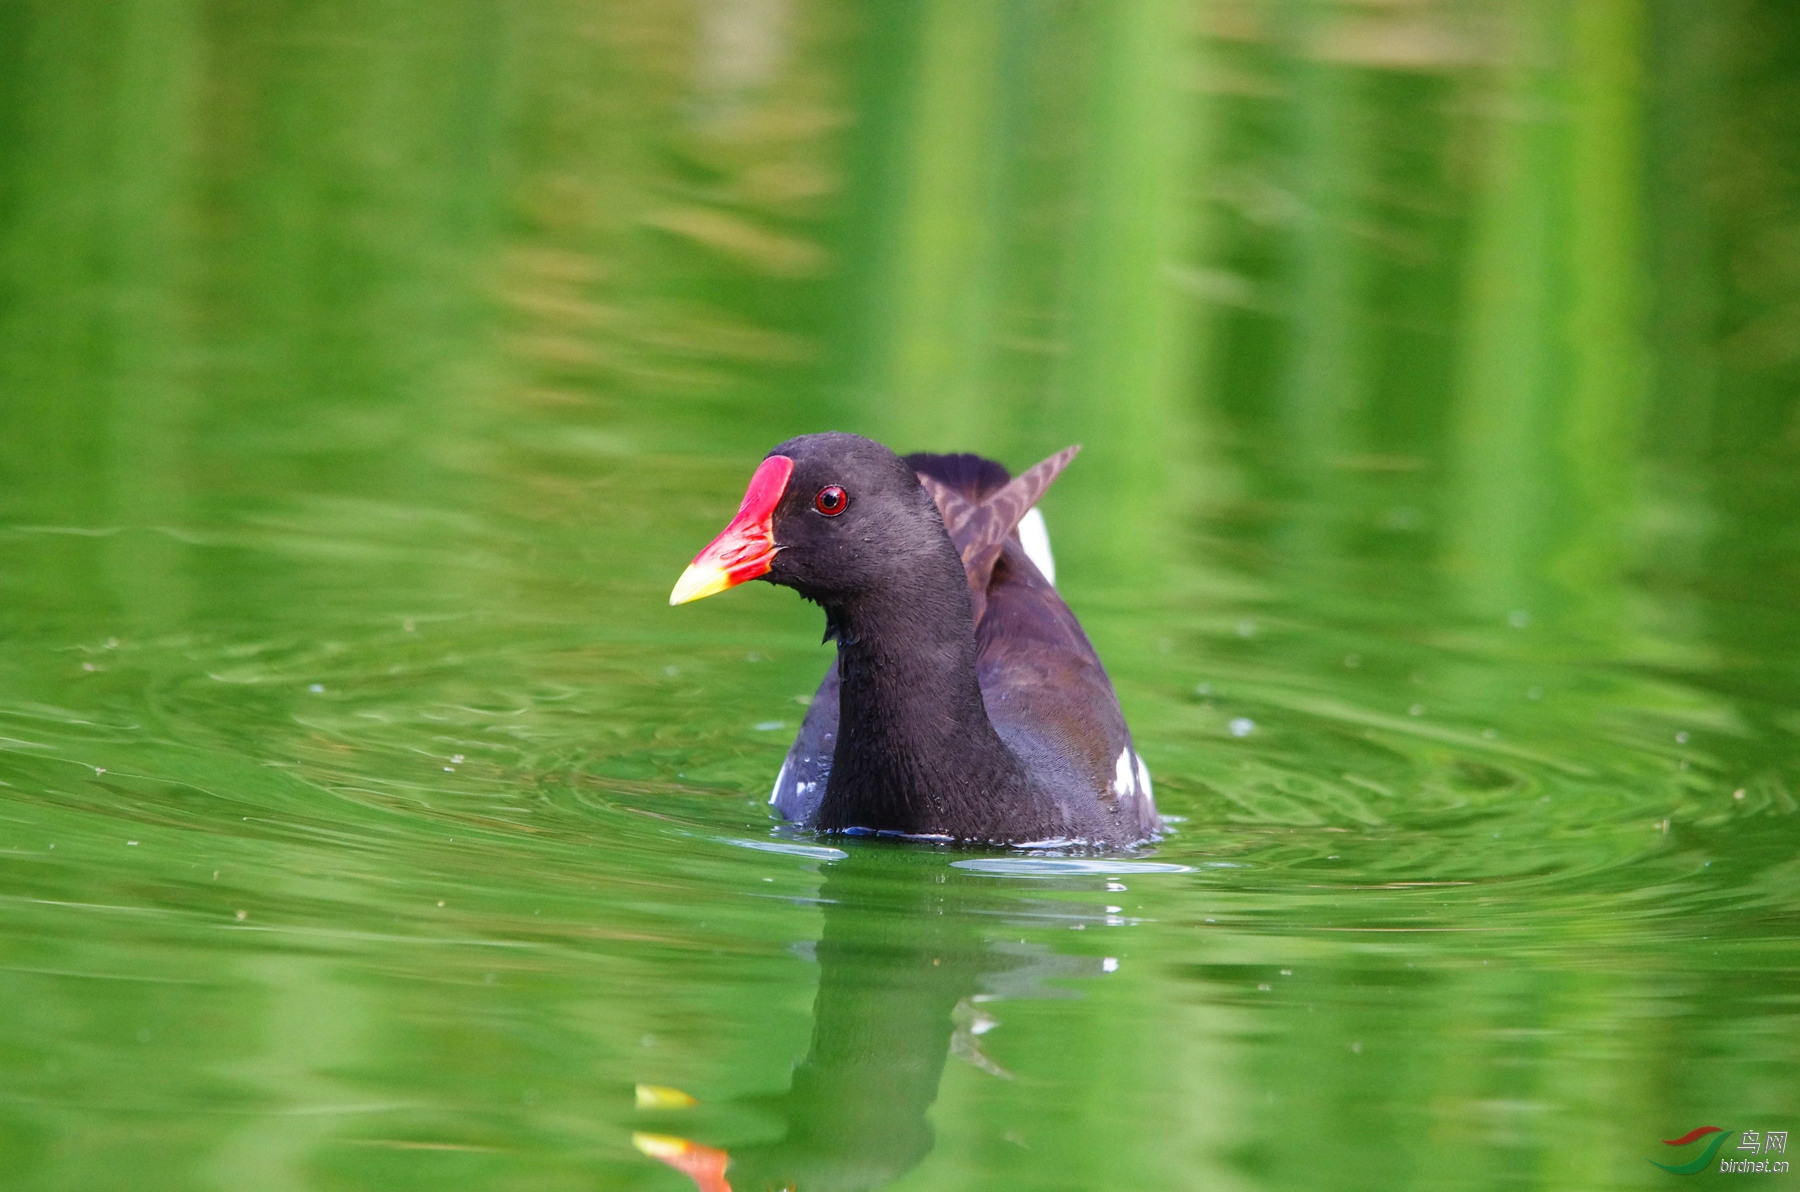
{"points": [[966, 703]]}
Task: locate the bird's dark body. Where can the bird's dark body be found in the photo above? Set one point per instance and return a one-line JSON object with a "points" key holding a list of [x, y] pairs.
{"points": [[898, 740]]}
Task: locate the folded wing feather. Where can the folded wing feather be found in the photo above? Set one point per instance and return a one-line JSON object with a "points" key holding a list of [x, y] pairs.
{"points": [[978, 529]]}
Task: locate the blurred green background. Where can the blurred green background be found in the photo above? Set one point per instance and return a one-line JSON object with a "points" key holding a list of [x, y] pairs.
{"points": [[369, 371]]}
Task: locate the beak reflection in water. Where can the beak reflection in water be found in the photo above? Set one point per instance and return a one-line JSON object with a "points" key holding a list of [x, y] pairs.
{"points": [[705, 1165]]}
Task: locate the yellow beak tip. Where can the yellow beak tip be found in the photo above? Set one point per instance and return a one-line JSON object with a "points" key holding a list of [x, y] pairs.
{"points": [[697, 583], [659, 1146], [661, 1096]]}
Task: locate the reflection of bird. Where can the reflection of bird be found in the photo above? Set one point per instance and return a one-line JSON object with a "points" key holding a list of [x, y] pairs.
{"points": [[903, 964], [966, 702]]}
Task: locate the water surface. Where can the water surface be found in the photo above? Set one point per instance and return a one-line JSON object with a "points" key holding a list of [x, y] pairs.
{"points": [[367, 375]]}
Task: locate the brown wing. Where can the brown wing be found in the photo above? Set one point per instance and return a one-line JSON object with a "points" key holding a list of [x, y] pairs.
{"points": [[978, 529]]}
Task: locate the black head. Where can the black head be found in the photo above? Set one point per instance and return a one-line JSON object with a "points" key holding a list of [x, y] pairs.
{"points": [[852, 519], [834, 516]]}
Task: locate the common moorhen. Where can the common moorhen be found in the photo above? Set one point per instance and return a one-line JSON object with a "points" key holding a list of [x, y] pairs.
{"points": [[966, 703]]}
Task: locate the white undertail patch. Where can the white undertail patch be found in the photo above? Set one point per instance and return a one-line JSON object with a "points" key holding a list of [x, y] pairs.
{"points": [[1143, 777], [1034, 535], [1124, 779], [779, 779]]}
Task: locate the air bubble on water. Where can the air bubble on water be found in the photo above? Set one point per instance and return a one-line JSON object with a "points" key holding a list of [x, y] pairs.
{"points": [[456, 759], [1681, 738], [1241, 726], [1109, 964], [316, 688], [242, 915]]}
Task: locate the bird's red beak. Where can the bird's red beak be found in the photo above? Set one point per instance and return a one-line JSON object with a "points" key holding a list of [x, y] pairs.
{"points": [[745, 548]]}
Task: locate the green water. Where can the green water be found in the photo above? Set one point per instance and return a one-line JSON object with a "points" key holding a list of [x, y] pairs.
{"points": [[369, 372]]}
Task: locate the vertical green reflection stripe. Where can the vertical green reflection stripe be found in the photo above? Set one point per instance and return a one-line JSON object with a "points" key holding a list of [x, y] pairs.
{"points": [[1599, 434], [937, 283], [1506, 477], [1552, 382], [1118, 390]]}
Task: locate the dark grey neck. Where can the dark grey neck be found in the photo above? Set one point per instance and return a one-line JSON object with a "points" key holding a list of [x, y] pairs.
{"points": [[915, 750]]}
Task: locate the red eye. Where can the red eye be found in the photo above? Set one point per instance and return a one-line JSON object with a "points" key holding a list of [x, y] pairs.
{"points": [[831, 500]]}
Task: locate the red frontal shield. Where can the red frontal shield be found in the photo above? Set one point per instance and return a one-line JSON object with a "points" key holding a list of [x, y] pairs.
{"points": [[744, 548]]}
